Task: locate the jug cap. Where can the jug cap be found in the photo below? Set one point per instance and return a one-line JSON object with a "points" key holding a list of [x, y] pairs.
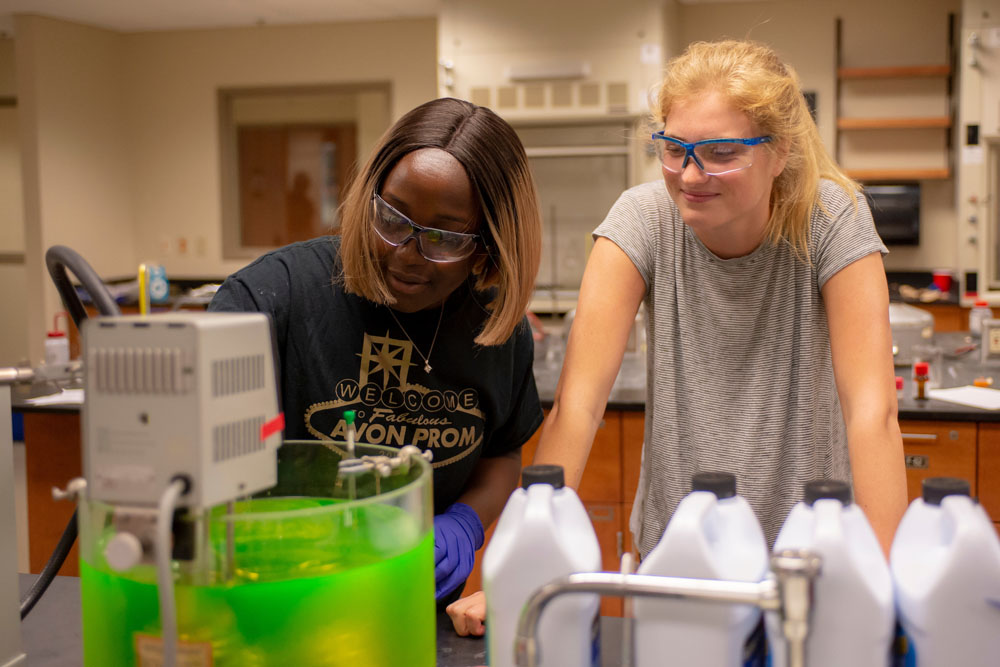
{"points": [[543, 474], [835, 489], [936, 488], [722, 484]]}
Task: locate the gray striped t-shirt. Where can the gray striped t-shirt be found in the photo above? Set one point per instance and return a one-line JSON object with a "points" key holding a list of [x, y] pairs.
{"points": [[739, 372]]}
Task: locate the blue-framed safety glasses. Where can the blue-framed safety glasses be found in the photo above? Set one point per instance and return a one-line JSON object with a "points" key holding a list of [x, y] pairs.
{"points": [[715, 157]]}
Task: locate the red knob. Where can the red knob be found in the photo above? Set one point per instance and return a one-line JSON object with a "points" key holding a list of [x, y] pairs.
{"points": [[921, 368]]}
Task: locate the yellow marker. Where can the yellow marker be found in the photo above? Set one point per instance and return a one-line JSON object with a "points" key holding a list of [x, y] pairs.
{"points": [[143, 290]]}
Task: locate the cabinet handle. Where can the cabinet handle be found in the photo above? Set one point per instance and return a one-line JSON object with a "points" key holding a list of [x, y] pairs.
{"points": [[619, 541], [927, 437]]}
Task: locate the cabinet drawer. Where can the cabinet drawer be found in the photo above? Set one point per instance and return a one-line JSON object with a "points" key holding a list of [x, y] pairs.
{"points": [[989, 469], [938, 449], [602, 476], [609, 525]]}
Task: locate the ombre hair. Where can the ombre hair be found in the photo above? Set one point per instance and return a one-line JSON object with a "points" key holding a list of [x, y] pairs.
{"points": [[497, 166], [755, 81]]}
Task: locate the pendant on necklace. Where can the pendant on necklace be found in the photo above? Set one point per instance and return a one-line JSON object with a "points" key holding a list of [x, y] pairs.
{"points": [[427, 366]]}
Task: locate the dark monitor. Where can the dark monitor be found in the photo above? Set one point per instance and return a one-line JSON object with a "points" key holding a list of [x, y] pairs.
{"points": [[896, 210]]}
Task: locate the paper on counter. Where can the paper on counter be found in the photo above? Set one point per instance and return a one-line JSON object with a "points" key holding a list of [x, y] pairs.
{"points": [[976, 397], [65, 397]]}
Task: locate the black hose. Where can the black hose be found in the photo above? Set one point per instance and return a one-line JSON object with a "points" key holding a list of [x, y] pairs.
{"points": [[57, 259], [56, 561]]}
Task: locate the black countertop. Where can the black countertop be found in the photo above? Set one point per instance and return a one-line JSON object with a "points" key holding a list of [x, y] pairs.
{"points": [[52, 637]]}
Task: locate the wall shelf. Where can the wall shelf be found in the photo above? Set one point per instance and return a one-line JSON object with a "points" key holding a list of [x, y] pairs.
{"points": [[899, 174], [905, 71], [893, 123]]}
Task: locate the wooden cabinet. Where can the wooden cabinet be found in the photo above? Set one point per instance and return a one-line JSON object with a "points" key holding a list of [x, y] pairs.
{"points": [[967, 450], [606, 489], [52, 459], [938, 449], [988, 478], [947, 316]]}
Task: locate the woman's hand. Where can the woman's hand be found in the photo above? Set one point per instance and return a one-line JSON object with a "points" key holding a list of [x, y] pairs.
{"points": [[458, 534], [468, 615]]}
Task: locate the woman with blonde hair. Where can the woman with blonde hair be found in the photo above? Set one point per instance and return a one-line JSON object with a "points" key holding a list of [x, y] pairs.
{"points": [[414, 315], [769, 350], [768, 343]]}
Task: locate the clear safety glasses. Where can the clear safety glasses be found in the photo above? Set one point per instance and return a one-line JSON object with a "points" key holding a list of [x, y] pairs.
{"points": [[435, 245], [715, 157]]}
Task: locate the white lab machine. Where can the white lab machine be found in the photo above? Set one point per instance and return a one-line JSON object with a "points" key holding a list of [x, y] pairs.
{"points": [[180, 412], [188, 395]]}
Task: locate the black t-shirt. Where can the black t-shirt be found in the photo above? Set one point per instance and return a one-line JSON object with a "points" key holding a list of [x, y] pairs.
{"points": [[338, 351]]}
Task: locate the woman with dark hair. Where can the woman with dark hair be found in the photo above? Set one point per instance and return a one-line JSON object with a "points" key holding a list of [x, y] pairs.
{"points": [[414, 315]]}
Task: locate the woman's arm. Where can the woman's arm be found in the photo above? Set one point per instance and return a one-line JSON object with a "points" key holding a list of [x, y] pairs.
{"points": [[857, 309], [610, 294], [493, 480]]}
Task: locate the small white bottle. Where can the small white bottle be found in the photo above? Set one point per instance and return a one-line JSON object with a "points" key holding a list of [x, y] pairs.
{"points": [[853, 620], [945, 562], [980, 311], [713, 534], [543, 533], [56, 348]]}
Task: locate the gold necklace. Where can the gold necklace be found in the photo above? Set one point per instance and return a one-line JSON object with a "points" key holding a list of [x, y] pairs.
{"points": [[427, 362]]}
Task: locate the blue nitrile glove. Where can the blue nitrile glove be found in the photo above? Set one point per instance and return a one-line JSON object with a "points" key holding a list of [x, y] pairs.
{"points": [[458, 534]]}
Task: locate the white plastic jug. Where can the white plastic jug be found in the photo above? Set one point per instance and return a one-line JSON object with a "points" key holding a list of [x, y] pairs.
{"points": [[713, 534], [945, 562], [853, 620], [543, 533]]}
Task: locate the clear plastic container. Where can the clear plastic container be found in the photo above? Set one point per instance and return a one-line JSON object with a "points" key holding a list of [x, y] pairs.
{"points": [[980, 311], [319, 571], [543, 533], [56, 348], [713, 534], [853, 620], [945, 562]]}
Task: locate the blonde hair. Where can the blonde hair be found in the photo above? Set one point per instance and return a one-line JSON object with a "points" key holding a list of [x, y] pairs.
{"points": [[755, 81], [497, 166]]}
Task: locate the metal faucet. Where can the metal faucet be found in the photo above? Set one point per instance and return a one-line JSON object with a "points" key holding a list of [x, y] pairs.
{"points": [[788, 591]]}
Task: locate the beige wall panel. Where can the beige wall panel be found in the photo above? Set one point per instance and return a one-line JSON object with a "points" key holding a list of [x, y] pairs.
{"points": [[484, 38], [172, 79], [937, 230], [894, 98], [11, 205], [75, 159], [14, 306], [7, 83]]}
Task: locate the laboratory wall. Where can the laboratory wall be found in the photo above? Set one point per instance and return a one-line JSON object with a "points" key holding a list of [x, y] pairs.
{"points": [[487, 45], [119, 132], [75, 165], [885, 33], [13, 303], [172, 79]]}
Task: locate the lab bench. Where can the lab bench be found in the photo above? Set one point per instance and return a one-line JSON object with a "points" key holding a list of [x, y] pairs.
{"points": [[51, 634], [939, 439]]}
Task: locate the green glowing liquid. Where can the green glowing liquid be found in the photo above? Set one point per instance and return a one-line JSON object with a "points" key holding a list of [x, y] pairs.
{"points": [[310, 591]]}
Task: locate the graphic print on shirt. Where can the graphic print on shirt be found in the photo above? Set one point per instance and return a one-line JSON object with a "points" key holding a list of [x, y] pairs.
{"points": [[392, 411]]}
